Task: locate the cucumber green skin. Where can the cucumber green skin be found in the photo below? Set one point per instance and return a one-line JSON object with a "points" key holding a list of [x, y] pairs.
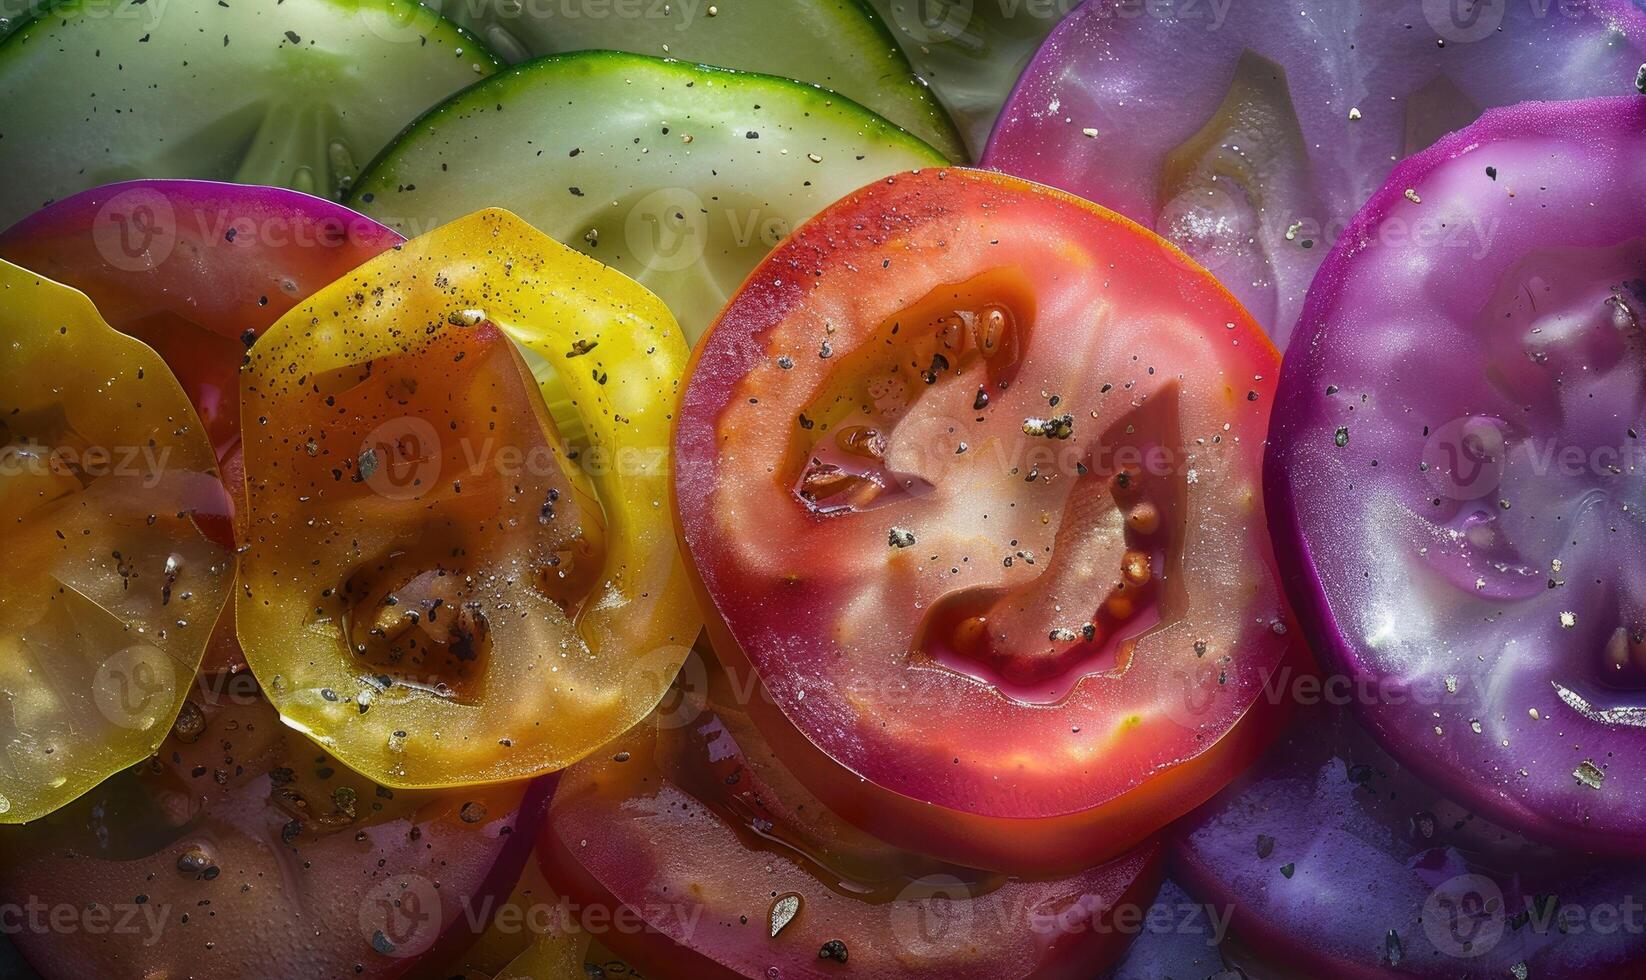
{"points": [[975, 52], [841, 45], [689, 220], [118, 91]]}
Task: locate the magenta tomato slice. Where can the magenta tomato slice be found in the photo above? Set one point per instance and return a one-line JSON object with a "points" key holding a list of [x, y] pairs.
{"points": [[1454, 470], [969, 474], [1250, 133], [196, 269], [689, 849], [1332, 859], [241, 849]]}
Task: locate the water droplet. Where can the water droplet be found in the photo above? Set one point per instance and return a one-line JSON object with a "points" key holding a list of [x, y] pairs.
{"points": [[784, 910]]}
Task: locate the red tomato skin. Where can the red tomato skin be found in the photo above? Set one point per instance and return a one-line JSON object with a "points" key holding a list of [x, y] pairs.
{"points": [[1045, 845], [1042, 846], [1076, 955]]}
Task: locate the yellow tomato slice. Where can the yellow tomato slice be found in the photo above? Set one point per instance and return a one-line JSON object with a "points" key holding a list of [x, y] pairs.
{"points": [[438, 586], [112, 588]]}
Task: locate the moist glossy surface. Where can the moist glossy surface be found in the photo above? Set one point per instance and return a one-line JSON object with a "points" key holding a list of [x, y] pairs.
{"points": [[108, 485], [1335, 860], [725, 865], [1251, 133], [242, 849], [969, 472], [1454, 474], [437, 585], [196, 269]]}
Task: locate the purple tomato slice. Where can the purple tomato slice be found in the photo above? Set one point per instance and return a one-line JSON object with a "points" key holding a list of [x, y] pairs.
{"points": [[969, 474], [1250, 133], [1176, 938], [691, 850], [241, 849], [1454, 463], [1335, 860]]}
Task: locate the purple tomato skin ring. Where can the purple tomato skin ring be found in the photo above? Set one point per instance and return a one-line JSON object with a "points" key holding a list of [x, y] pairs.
{"points": [[1454, 466]]}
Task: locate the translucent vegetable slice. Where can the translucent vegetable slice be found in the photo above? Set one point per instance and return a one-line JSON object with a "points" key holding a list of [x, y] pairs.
{"points": [[1454, 471], [16, 13], [970, 477], [241, 850], [971, 52], [1332, 859], [296, 94], [1250, 133], [197, 270], [838, 44], [680, 176], [436, 586], [112, 589], [709, 859]]}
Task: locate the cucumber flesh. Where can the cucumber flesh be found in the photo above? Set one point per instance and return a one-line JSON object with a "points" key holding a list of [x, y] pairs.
{"points": [[972, 51], [680, 176], [298, 94], [14, 14], [838, 44]]}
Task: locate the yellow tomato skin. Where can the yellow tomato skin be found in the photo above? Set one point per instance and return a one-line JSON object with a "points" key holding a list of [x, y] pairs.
{"points": [[113, 588], [447, 581]]}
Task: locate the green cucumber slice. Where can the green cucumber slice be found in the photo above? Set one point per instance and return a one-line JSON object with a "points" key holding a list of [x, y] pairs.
{"points": [[838, 44], [972, 51], [681, 176], [299, 93], [16, 13]]}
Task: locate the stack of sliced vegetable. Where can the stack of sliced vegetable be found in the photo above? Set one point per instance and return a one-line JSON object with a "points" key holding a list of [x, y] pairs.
{"points": [[517, 490]]}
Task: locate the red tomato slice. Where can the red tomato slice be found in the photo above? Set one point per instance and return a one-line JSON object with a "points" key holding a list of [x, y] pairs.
{"points": [[689, 850], [240, 849], [969, 472]]}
